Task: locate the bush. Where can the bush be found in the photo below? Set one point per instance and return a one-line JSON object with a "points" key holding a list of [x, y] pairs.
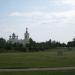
{"points": [[60, 53]]}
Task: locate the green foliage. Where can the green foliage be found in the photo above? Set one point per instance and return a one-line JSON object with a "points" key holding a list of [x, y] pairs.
{"points": [[71, 43], [33, 46], [8, 46], [2, 43]]}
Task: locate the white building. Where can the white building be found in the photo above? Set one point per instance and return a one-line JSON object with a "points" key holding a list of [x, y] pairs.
{"points": [[26, 37], [14, 38]]}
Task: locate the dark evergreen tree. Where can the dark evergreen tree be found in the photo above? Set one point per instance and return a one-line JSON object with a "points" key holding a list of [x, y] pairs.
{"points": [[2, 43]]}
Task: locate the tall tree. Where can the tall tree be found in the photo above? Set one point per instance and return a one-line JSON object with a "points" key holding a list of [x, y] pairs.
{"points": [[2, 43]]}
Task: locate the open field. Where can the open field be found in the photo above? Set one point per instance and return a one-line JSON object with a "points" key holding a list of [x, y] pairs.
{"points": [[37, 59], [71, 72]]}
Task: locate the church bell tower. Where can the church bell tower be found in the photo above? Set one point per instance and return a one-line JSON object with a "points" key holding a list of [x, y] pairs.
{"points": [[26, 37]]}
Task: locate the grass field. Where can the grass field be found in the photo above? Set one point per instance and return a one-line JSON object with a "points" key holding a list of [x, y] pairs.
{"points": [[37, 59], [72, 72]]}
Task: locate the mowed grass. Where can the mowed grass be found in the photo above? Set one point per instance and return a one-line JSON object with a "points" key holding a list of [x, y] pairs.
{"points": [[37, 59], [71, 72]]}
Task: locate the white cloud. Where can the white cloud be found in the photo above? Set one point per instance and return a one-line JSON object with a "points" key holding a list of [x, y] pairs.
{"points": [[68, 2], [47, 15], [59, 2], [59, 19], [26, 14], [56, 19]]}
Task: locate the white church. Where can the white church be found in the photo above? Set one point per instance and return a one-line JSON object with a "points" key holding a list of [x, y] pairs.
{"points": [[14, 39]]}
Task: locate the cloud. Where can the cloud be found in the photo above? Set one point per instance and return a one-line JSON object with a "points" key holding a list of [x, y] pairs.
{"points": [[59, 2], [26, 14], [59, 19], [47, 15], [68, 2]]}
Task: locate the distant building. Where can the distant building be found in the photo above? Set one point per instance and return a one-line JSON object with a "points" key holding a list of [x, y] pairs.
{"points": [[14, 38], [26, 37]]}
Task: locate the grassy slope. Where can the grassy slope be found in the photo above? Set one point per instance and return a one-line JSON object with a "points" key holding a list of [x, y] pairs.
{"points": [[40, 73], [36, 59]]}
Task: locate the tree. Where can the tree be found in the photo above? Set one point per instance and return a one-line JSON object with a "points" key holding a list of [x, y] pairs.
{"points": [[71, 43], [2, 43], [31, 46], [8, 46]]}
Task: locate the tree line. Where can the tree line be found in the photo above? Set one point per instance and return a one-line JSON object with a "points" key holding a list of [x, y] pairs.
{"points": [[33, 45]]}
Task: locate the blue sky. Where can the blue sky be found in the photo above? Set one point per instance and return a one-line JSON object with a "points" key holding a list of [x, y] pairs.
{"points": [[45, 19]]}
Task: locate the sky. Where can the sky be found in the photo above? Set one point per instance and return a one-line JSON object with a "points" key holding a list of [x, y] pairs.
{"points": [[45, 19]]}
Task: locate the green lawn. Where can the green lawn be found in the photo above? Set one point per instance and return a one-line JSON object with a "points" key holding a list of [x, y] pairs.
{"points": [[40, 73], [36, 59]]}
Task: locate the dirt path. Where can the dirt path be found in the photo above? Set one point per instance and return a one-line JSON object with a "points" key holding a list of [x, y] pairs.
{"points": [[38, 69]]}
